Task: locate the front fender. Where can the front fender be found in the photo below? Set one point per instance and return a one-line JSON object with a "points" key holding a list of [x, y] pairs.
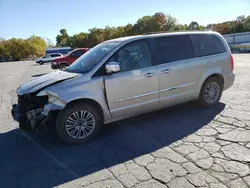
{"points": [[98, 97], [92, 90], [82, 88]]}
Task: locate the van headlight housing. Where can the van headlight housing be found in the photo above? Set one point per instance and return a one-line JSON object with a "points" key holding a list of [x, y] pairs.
{"points": [[52, 98]]}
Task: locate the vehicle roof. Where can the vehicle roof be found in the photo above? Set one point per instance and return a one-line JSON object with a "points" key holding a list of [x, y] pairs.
{"points": [[79, 49], [161, 35], [59, 48], [54, 53]]}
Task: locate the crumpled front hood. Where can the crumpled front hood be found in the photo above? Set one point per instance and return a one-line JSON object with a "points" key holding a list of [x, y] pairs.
{"points": [[44, 81]]}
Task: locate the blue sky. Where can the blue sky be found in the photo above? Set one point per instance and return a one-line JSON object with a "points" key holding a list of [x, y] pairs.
{"points": [[23, 18]]}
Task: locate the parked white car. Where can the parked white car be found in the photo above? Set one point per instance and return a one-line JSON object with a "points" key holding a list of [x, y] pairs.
{"points": [[48, 58]]}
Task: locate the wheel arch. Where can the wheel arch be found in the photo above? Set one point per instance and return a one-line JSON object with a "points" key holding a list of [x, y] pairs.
{"points": [[63, 62], [216, 72], [216, 75], [91, 102], [202, 94]]}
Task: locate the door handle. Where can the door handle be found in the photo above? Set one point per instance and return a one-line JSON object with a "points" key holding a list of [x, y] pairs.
{"points": [[165, 71], [150, 74]]}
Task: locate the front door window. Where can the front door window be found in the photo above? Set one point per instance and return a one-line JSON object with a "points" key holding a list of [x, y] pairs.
{"points": [[135, 55]]}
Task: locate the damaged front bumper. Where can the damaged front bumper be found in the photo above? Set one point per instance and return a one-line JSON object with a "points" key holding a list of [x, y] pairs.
{"points": [[16, 112], [32, 111]]}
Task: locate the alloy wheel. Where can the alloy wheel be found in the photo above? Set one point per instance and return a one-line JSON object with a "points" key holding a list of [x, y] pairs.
{"points": [[80, 124], [212, 92]]}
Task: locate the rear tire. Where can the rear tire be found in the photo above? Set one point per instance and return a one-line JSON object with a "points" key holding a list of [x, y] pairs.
{"points": [[78, 123], [211, 92]]}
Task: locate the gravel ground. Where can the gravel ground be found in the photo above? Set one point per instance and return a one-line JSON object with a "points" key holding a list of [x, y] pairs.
{"points": [[183, 146]]}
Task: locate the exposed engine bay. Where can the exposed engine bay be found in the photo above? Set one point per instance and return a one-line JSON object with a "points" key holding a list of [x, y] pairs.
{"points": [[28, 111], [35, 105], [35, 109]]}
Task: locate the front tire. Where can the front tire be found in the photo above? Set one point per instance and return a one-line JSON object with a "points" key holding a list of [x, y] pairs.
{"points": [[211, 92], [63, 66], [78, 123], [41, 62]]}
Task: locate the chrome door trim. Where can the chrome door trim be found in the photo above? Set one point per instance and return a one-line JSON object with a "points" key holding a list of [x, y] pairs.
{"points": [[155, 92], [177, 87], [137, 96]]}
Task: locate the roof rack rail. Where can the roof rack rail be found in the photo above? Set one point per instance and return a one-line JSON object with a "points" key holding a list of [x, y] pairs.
{"points": [[159, 32]]}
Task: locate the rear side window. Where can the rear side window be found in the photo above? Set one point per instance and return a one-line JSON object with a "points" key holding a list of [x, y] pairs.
{"points": [[77, 53], [174, 48], [54, 55], [205, 45]]}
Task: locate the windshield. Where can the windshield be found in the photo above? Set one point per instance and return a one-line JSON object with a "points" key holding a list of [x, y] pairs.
{"points": [[91, 58]]}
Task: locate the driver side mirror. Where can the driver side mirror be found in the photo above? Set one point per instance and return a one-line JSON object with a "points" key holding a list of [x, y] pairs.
{"points": [[112, 67]]}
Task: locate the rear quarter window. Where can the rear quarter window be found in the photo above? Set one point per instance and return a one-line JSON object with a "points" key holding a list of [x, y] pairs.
{"points": [[174, 48], [205, 45], [54, 55], [77, 53]]}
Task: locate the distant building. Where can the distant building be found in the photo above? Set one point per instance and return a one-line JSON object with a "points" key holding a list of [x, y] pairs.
{"points": [[62, 50], [237, 38]]}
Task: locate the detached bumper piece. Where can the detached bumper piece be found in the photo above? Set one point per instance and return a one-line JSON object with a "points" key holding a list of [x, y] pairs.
{"points": [[35, 117], [29, 121], [20, 117], [35, 114], [16, 112]]}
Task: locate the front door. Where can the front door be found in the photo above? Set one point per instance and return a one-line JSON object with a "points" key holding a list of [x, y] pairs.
{"points": [[134, 89]]}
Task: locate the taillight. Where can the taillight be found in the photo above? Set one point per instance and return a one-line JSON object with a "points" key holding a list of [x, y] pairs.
{"points": [[232, 62]]}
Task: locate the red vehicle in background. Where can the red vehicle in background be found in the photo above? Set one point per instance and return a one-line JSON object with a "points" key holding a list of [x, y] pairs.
{"points": [[65, 61]]}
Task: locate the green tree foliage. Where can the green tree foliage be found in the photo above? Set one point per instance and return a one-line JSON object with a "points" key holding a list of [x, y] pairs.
{"points": [[159, 22], [222, 28], [17, 49], [36, 45], [171, 24], [63, 38], [246, 24], [241, 24], [4, 52], [194, 26]]}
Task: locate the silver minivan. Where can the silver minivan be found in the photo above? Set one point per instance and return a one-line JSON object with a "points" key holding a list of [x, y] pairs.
{"points": [[125, 77]]}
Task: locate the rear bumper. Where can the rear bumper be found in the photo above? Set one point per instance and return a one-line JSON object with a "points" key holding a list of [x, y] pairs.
{"points": [[54, 66], [228, 80]]}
